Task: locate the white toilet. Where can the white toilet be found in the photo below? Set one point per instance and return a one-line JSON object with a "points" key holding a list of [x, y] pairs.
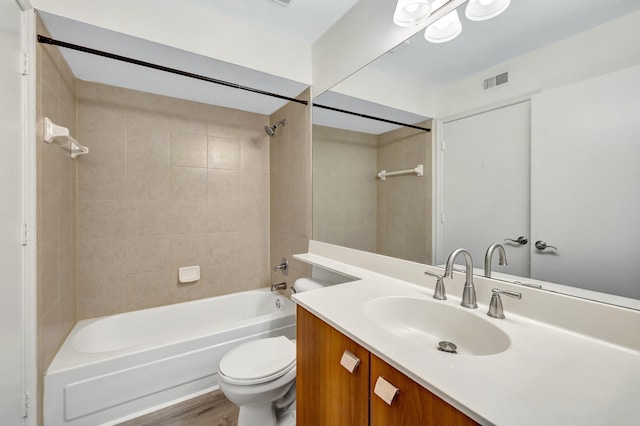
{"points": [[259, 376]]}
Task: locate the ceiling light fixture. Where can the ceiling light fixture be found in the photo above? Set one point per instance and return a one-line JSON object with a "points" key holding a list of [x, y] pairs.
{"points": [[481, 10], [411, 12], [444, 29], [414, 12]]}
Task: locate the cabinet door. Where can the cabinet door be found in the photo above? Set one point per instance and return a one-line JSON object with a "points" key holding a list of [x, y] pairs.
{"points": [[326, 393], [413, 405]]}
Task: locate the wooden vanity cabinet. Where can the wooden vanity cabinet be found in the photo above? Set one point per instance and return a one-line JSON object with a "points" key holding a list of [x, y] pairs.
{"points": [[328, 394], [413, 405]]}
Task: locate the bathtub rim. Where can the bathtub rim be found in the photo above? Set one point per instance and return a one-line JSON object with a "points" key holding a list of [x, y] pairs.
{"points": [[67, 358]]}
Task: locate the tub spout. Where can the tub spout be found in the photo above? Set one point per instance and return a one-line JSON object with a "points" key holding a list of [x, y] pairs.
{"points": [[281, 286]]}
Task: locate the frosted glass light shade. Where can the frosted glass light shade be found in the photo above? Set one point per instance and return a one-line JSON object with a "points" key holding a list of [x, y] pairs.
{"points": [[411, 12], [481, 10], [444, 29]]}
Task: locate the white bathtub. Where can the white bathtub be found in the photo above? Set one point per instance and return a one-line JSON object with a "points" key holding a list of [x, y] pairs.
{"points": [[114, 368]]}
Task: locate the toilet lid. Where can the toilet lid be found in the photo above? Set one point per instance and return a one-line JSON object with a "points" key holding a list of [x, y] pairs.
{"points": [[259, 360]]}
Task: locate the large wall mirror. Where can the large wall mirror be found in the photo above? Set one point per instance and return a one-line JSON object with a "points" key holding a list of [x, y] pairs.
{"points": [[350, 207], [549, 155]]}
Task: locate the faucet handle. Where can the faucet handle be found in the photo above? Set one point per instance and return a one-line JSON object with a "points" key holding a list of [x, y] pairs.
{"points": [[495, 305], [284, 267], [439, 292]]}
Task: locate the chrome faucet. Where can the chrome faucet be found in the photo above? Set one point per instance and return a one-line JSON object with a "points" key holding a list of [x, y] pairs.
{"points": [[280, 286], [469, 292], [502, 258]]}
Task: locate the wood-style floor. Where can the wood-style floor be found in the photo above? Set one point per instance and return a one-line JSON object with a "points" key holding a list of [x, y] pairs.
{"points": [[211, 409]]}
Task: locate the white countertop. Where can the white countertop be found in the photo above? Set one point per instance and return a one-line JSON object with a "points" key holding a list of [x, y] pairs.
{"points": [[548, 375]]}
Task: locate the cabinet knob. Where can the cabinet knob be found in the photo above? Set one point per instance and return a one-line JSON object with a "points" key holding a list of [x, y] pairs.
{"points": [[349, 361], [385, 390]]}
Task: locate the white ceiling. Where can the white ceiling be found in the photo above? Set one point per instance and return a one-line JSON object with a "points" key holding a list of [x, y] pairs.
{"points": [[526, 25], [304, 20]]}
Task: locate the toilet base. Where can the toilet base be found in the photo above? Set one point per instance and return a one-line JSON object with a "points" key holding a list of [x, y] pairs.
{"points": [[257, 414], [287, 418], [286, 408], [273, 405], [260, 414]]}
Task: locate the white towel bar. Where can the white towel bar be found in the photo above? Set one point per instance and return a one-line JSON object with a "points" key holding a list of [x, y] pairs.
{"points": [[60, 135], [419, 171]]}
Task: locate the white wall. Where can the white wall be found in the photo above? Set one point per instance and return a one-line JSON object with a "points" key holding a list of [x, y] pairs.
{"points": [[211, 34], [603, 49]]}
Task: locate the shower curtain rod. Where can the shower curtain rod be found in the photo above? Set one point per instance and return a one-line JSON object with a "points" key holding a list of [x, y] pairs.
{"points": [[49, 40], [371, 117]]}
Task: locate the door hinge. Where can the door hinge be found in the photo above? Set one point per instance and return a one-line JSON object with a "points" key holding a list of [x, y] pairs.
{"points": [[442, 219], [443, 145], [25, 63], [26, 399], [26, 236]]}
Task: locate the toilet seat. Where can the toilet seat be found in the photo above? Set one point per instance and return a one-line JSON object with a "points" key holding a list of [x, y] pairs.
{"points": [[258, 361]]}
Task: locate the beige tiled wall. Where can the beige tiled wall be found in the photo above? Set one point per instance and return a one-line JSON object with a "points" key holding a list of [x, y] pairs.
{"points": [[168, 183], [404, 202], [56, 213], [290, 152], [344, 188], [352, 208]]}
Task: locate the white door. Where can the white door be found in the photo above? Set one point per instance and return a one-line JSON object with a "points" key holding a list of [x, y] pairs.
{"points": [[486, 184], [585, 184], [12, 299]]}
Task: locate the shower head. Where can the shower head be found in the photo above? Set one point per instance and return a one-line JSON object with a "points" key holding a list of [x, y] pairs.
{"points": [[271, 130]]}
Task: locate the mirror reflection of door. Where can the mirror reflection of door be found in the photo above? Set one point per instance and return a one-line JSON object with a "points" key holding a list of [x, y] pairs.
{"points": [[581, 145], [486, 185], [585, 175]]}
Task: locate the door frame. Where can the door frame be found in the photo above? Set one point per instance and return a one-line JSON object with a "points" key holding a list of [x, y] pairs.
{"points": [[29, 266]]}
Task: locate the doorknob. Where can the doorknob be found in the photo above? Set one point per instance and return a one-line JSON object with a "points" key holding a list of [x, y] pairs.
{"points": [[522, 240], [541, 245]]}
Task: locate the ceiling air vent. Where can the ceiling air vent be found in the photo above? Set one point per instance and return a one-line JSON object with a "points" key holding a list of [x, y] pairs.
{"points": [[284, 2], [495, 81]]}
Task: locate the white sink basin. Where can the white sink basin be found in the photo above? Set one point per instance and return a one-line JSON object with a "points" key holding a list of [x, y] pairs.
{"points": [[427, 322]]}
